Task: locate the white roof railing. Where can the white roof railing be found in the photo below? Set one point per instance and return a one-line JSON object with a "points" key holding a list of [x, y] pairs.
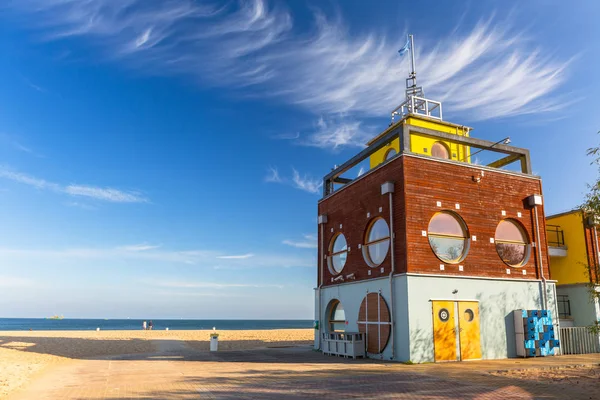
{"points": [[418, 106]]}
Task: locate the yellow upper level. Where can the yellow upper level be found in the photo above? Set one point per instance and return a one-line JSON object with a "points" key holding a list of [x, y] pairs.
{"points": [[426, 145], [572, 267]]}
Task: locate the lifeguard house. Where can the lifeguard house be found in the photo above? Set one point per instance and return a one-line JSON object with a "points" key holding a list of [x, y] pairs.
{"points": [[428, 254]]}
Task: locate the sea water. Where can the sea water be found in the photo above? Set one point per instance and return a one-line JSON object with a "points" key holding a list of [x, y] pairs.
{"points": [[68, 324]]}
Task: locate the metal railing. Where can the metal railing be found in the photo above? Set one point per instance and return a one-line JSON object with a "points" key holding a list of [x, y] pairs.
{"points": [[579, 340], [418, 106], [403, 133], [555, 236]]}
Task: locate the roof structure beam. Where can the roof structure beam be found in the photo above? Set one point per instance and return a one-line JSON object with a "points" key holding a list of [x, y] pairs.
{"points": [[335, 174], [404, 132]]}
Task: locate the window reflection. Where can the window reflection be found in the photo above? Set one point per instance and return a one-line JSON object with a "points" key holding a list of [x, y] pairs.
{"points": [[390, 153], [512, 244], [378, 242], [338, 254], [440, 150], [448, 237], [337, 317]]}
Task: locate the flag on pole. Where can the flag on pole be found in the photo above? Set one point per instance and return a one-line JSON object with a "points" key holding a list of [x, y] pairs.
{"points": [[404, 48]]}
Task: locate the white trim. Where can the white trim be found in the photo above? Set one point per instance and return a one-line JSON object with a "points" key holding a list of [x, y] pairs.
{"points": [[484, 278], [444, 276], [359, 282]]}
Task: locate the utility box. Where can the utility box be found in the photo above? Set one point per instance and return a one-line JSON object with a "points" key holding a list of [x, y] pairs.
{"points": [[345, 344], [535, 333]]}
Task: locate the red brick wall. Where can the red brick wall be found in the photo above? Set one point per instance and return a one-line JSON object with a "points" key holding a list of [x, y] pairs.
{"points": [[481, 204], [349, 207], [419, 184]]}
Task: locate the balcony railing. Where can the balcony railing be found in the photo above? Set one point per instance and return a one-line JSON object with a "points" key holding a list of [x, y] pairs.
{"points": [[555, 236]]}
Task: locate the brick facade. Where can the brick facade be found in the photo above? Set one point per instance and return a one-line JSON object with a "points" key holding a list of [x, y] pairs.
{"points": [[420, 183]]}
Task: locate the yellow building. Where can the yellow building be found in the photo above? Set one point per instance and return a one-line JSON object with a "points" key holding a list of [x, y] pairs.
{"points": [[573, 248], [424, 144]]}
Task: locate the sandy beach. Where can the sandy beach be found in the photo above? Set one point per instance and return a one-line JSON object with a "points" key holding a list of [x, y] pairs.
{"points": [[23, 354]]}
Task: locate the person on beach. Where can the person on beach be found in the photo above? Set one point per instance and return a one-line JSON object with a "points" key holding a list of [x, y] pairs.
{"points": [[150, 325], [144, 325]]}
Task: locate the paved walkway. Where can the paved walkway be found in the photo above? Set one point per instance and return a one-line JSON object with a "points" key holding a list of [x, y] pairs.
{"points": [[177, 372]]}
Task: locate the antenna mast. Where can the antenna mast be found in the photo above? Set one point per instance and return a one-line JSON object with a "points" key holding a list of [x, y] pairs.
{"points": [[411, 82], [415, 102]]}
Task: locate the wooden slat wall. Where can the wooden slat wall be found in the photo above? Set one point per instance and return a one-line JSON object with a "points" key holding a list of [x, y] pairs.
{"points": [[419, 184], [349, 208], [481, 205]]}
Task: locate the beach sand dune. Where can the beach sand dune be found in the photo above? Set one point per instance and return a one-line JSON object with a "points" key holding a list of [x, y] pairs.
{"points": [[24, 354]]}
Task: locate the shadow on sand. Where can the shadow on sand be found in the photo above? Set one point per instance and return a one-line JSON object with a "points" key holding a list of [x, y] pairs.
{"points": [[299, 373]]}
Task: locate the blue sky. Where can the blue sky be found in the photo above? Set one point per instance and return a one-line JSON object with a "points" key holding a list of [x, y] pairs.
{"points": [[163, 159]]}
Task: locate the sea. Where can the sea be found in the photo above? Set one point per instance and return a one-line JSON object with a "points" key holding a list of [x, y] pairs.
{"points": [[68, 324]]}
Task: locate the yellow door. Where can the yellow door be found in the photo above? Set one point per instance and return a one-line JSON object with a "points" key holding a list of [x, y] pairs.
{"points": [[444, 333], [468, 323]]}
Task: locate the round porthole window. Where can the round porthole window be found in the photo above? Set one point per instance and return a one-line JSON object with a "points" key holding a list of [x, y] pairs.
{"points": [[338, 253], [439, 150], [469, 315], [444, 315], [512, 244], [374, 322], [377, 242], [448, 237], [390, 153]]}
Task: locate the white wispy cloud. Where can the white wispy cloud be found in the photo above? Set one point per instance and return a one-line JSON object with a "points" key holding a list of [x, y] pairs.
{"points": [[106, 194], [93, 192], [25, 149], [7, 281], [33, 85], [309, 242], [273, 175], [28, 180], [484, 71], [287, 136], [15, 143], [149, 254], [176, 292], [334, 133], [303, 182], [236, 257], [203, 285], [306, 183], [140, 247]]}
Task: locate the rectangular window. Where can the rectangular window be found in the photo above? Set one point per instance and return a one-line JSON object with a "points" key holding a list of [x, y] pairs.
{"points": [[564, 306]]}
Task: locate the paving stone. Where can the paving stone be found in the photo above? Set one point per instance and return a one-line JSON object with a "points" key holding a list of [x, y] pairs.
{"points": [[178, 372]]}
